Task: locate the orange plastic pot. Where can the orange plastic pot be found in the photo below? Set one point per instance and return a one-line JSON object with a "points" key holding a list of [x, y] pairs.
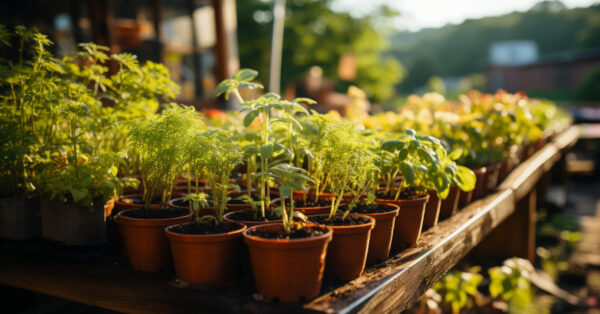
{"points": [[207, 260], [124, 202], [505, 168], [287, 269], [491, 177], [432, 210], [408, 225], [450, 204], [465, 197], [201, 211], [145, 241], [480, 185], [299, 195], [381, 235], [347, 252]]}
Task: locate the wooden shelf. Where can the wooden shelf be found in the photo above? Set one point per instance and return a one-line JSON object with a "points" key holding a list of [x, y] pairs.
{"points": [[107, 281]]}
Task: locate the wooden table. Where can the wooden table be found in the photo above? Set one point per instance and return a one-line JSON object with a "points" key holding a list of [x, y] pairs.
{"points": [[501, 218]]}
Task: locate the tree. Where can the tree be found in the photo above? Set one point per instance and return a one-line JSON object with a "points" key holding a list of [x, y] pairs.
{"points": [[317, 35]]}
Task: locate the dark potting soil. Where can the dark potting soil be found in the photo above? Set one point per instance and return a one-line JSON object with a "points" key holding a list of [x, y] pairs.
{"points": [[139, 200], [373, 208], [162, 213], [204, 228], [248, 215], [338, 221], [308, 203], [305, 232], [405, 194]]}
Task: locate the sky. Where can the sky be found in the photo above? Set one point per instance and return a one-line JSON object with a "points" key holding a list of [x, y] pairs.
{"points": [[418, 14]]}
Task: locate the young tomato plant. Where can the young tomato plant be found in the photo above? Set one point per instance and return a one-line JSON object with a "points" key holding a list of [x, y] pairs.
{"points": [[267, 151]]}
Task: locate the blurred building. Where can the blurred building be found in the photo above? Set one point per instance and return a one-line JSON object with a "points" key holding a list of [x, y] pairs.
{"points": [[516, 65], [195, 39]]}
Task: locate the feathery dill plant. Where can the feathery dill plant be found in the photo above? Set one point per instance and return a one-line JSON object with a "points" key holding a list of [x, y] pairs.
{"points": [[161, 146], [215, 156], [349, 165]]}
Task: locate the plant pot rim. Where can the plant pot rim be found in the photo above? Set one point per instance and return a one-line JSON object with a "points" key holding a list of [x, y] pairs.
{"points": [[274, 201], [242, 221], [286, 244], [149, 222], [349, 229], [401, 202], [200, 238], [140, 195], [388, 214]]}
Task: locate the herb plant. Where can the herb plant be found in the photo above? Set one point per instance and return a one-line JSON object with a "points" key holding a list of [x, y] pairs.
{"points": [[161, 145]]}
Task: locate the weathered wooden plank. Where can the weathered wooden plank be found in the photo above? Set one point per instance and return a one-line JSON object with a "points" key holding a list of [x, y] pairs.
{"points": [[567, 138], [405, 277]]}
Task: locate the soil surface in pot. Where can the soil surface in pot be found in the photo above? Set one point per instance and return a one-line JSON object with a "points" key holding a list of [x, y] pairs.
{"points": [[143, 213], [248, 215], [305, 232], [184, 203], [308, 203], [373, 209], [338, 221], [205, 228], [405, 194]]}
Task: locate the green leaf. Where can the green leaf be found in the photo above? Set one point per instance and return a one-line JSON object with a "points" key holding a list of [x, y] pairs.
{"points": [[266, 151], [246, 75], [408, 172], [249, 118], [465, 178], [79, 194], [456, 154]]}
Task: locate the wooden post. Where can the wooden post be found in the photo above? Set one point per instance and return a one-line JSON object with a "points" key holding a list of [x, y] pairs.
{"points": [[514, 237]]}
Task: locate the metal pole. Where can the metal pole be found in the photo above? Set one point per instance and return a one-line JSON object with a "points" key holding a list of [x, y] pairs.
{"points": [[276, 46]]}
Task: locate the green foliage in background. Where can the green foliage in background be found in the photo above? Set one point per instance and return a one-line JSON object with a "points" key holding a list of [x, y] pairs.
{"points": [[316, 35]]}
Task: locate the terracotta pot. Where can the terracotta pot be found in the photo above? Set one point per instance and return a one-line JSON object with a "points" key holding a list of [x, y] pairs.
{"points": [[432, 210], [381, 236], [408, 225], [505, 168], [480, 184], [450, 204], [465, 198], [108, 207], [540, 143], [202, 211], [347, 252], [122, 203], [492, 177], [208, 260], [73, 224], [299, 195], [287, 270], [318, 210], [20, 218], [145, 240], [249, 223]]}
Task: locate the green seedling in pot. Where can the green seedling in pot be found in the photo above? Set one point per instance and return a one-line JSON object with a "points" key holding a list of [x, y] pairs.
{"points": [[289, 179], [161, 145], [268, 152], [218, 155]]}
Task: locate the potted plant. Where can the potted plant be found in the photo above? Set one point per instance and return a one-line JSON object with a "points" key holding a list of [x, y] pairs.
{"points": [[161, 145], [288, 258], [349, 165], [207, 250], [19, 200]]}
